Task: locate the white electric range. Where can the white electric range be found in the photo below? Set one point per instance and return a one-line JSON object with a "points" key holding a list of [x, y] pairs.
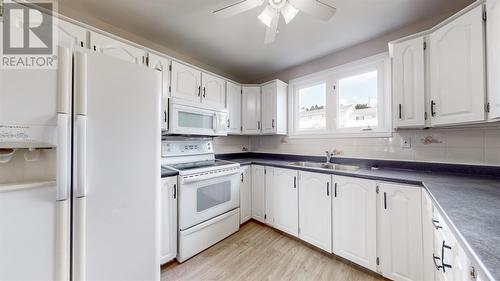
{"points": [[208, 193]]}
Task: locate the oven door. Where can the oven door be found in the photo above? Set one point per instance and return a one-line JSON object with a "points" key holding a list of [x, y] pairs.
{"points": [[188, 120], [205, 196]]}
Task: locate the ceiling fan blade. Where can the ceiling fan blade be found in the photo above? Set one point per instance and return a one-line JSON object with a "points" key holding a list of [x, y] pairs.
{"points": [[320, 9], [272, 30], [237, 7]]}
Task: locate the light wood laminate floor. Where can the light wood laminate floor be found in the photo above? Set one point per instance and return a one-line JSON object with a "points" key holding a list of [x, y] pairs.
{"points": [[258, 252]]}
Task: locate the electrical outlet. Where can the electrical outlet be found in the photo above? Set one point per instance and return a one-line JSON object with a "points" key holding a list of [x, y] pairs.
{"points": [[405, 141]]}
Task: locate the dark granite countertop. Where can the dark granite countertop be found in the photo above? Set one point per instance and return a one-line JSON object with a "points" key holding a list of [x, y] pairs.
{"points": [[469, 203], [165, 172]]}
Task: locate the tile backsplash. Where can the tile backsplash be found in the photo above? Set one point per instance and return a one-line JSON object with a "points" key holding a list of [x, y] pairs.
{"points": [[465, 146]]}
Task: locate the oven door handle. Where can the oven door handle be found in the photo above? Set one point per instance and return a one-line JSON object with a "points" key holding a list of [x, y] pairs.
{"points": [[202, 177]]}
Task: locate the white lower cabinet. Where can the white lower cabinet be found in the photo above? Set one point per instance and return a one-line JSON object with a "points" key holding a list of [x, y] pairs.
{"points": [[168, 230], [428, 237], [400, 231], [246, 194], [285, 200], [354, 220], [258, 192], [315, 209]]}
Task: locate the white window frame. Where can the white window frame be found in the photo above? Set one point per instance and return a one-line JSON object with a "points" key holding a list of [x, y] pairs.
{"points": [[331, 77]]}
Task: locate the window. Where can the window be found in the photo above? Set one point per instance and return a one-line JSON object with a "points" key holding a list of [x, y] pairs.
{"points": [[312, 106], [357, 106], [349, 100]]}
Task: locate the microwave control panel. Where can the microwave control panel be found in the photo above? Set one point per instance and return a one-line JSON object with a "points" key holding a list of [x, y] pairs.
{"points": [[177, 148]]}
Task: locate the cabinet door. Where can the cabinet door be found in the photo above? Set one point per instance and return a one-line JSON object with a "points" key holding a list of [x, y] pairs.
{"points": [[493, 45], [428, 237], [251, 110], [457, 70], [168, 230], [354, 220], [269, 198], [258, 193], [315, 209], [286, 200], [213, 90], [185, 82], [234, 108], [245, 194], [268, 96], [106, 45], [162, 64], [400, 231], [409, 83]]}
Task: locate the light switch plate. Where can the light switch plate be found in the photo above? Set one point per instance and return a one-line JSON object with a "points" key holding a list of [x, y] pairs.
{"points": [[405, 142]]}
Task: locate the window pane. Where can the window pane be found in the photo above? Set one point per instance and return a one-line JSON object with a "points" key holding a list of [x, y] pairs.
{"points": [[358, 101], [312, 107]]}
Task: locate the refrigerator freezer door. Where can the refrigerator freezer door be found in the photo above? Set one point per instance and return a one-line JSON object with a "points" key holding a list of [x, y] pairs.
{"points": [[117, 220], [27, 231]]}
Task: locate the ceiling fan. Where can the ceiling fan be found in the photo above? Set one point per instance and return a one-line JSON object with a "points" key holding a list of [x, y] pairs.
{"points": [[320, 9]]}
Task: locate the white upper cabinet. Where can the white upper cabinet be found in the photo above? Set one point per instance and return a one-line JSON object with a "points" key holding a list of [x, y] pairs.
{"points": [[168, 230], [493, 55], [234, 94], [285, 200], [250, 110], [355, 220], [185, 82], [400, 231], [246, 194], [162, 64], [274, 105], [71, 35], [409, 83], [457, 70], [106, 45], [258, 192], [315, 209], [213, 90]]}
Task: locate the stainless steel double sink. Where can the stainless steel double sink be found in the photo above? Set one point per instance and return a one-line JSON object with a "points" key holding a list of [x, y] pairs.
{"points": [[326, 166]]}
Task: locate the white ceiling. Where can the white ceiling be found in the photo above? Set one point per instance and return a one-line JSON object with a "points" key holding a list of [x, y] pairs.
{"points": [[235, 45]]}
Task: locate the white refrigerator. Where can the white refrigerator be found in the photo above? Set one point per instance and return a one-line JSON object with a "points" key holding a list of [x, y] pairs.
{"points": [[99, 218]]}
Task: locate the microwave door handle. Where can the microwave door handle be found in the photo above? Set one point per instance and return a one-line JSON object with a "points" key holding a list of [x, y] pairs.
{"points": [[215, 123]]}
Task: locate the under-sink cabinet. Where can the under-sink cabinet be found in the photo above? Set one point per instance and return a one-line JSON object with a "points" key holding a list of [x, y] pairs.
{"points": [[168, 229], [355, 221], [315, 209]]}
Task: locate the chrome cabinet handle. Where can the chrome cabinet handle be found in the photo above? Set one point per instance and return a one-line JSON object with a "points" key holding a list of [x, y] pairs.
{"points": [[400, 111], [385, 200], [273, 123], [433, 108], [294, 182], [335, 193], [436, 224], [175, 191], [327, 189], [199, 90], [204, 92]]}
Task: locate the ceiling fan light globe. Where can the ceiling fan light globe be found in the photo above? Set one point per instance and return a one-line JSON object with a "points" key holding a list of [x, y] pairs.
{"points": [[289, 12], [267, 15]]}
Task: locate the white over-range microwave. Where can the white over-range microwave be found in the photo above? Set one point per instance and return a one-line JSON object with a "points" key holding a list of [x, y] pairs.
{"points": [[187, 118]]}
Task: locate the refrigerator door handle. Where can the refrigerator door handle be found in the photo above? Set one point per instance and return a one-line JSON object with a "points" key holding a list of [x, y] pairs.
{"points": [[63, 170], [81, 155]]}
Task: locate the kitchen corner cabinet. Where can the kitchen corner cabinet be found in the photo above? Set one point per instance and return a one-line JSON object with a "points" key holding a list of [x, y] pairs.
{"points": [[168, 230], [355, 220], [274, 108], [245, 194], [315, 209], [492, 47], [109, 46], [258, 193], [162, 64], [408, 62], [457, 70], [400, 231], [233, 97], [285, 200], [250, 110], [213, 90]]}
